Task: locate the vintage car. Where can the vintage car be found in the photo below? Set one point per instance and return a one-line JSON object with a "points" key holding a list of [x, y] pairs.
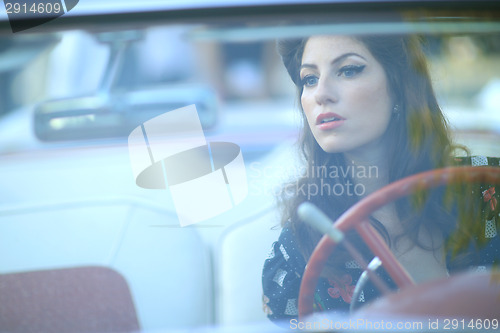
{"points": [[143, 145]]}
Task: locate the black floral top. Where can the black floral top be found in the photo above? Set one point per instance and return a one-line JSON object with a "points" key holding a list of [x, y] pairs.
{"points": [[284, 266]]}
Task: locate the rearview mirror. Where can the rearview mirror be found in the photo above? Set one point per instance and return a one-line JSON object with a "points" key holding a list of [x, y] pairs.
{"points": [[116, 114]]}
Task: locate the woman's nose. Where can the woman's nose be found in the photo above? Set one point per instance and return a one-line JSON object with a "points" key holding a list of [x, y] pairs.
{"points": [[326, 91]]}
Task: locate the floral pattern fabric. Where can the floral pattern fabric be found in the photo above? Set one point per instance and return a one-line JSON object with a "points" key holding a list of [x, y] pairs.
{"points": [[282, 276]]}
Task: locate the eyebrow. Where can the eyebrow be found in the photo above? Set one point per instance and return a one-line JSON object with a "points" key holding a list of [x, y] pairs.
{"points": [[334, 61]]}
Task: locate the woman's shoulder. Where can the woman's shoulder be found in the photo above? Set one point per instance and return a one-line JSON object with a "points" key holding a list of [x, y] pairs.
{"points": [[282, 275], [286, 249], [476, 161], [485, 195]]}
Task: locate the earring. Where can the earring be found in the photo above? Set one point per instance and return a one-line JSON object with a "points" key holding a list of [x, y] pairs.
{"points": [[395, 110]]}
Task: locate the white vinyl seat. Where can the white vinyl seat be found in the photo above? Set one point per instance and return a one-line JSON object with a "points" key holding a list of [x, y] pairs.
{"points": [[240, 258], [166, 267], [244, 246]]}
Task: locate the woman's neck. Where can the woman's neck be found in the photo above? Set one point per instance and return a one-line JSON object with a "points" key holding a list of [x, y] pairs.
{"points": [[373, 166]]}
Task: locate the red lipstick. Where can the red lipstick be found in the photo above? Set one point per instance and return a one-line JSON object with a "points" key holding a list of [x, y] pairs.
{"points": [[329, 120]]}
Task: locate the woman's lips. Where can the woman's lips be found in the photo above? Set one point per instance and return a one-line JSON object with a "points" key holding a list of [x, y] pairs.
{"points": [[329, 120], [331, 125]]}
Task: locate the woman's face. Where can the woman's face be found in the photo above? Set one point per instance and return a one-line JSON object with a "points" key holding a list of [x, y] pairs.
{"points": [[345, 95]]}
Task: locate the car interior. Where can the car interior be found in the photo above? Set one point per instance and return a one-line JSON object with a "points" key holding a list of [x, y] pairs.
{"points": [[84, 248]]}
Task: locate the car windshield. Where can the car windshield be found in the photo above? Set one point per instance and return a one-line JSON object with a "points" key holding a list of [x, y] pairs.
{"points": [[159, 145]]}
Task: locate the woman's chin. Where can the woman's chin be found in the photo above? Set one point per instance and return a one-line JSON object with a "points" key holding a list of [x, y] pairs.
{"points": [[332, 150], [335, 147]]}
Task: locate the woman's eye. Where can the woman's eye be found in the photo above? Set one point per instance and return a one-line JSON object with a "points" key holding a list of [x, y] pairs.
{"points": [[309, 81], [351, 70]]}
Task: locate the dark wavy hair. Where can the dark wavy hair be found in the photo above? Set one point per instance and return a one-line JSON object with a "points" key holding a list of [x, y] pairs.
{"points": [[418, 138]]}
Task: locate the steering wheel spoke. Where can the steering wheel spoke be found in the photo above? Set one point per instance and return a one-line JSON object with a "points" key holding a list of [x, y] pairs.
{"points": [[382, 251]]}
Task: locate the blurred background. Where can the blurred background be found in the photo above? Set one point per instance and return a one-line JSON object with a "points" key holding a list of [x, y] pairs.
{"points": [[70, 96], [244, 77]]}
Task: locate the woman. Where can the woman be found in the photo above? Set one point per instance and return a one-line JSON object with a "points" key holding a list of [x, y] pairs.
{"points": [[370, 118]]}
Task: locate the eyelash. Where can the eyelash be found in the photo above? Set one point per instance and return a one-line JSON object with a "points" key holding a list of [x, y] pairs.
{"points": [[356, 69], [306, 78]]}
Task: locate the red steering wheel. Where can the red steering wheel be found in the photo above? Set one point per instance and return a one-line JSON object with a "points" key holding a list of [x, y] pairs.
{"points": [[358, 217]]}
